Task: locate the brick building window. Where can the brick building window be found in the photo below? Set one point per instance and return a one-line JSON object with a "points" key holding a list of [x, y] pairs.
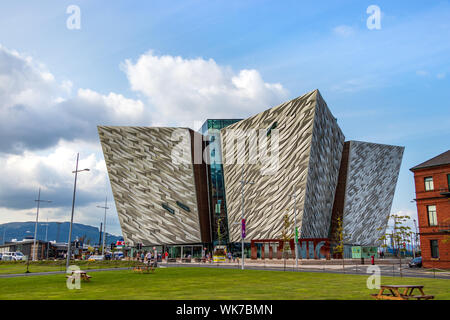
{"points": [[432, 217], [448, 181], [429, 184], [434, 249]]}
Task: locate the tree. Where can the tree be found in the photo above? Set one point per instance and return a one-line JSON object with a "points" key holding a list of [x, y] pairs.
{"points": [[220, 234], [286, 236], [339, 238], [400, 235]]}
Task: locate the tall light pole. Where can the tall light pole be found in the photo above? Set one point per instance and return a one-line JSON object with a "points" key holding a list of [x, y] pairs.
{"points": [[46, 237], [36, 225], [104, 224], [294, 195], [73, 207], [243, 183]]}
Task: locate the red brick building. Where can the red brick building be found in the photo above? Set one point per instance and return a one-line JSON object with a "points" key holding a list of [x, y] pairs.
{"points": [[432, 181]]}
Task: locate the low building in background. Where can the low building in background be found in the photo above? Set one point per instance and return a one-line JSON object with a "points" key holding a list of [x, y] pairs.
{"points": [[28, 249], [432, 183]]}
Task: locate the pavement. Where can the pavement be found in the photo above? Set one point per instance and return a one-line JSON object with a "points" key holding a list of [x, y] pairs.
{"points": [[388, 269], [54, 272]]}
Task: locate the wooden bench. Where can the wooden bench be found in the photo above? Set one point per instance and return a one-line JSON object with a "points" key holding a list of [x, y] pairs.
{"points": [[82, 274], [393, 293], [148, 267]]}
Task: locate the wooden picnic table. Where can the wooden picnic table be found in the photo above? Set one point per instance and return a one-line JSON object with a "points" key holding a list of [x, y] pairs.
{"points": [[82, 274], [394, 292], [149, 266]]}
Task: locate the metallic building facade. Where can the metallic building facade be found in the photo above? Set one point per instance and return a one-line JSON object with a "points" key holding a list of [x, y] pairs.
{"points": [[158, 201], [167, 194], [371, 177], [310, 145]]}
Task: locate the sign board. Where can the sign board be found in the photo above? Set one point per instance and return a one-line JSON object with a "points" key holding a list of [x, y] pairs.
{"points": [[219, 253], [364, 252], [243, 228]]}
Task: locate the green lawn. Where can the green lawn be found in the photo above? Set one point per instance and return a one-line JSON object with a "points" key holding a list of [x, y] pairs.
{"points": [[13, 267], [208, 283]]}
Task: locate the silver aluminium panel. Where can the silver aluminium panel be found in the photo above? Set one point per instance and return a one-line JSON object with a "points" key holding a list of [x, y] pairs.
{"points": [[309, 152], [143, 178], [372, 175]]}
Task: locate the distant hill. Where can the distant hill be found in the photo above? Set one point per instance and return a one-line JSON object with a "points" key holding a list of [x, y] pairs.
{"points": [[58, 231]]}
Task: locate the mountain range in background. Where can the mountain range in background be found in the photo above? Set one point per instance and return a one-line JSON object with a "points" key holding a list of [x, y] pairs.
{"points": [[57, 231]]}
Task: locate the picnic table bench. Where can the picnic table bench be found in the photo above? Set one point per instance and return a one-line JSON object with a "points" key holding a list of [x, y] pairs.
{"points": [[80, 273], [393, 292], [145, 267]]}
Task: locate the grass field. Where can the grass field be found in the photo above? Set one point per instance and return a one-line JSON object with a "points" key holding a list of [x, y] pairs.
{"points": [[208, 283], [13, 267]]}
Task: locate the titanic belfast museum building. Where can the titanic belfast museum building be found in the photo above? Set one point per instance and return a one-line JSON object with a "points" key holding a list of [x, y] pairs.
{"points": [[179, 188]]}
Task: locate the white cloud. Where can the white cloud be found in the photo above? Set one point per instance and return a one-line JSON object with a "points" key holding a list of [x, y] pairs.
{"points": [[22, 81], [23, 174], [344, 31], [441, 76], [181, 91], [115, 105], [43, 125], [36, 111]]}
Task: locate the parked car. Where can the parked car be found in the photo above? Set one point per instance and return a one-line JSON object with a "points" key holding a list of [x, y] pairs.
{"points": [[96, 258], [416, 263], [13, 256], [118, 255]]}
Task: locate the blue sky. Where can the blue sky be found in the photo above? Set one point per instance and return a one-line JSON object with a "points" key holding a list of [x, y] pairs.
{"points": [[387, 86]]}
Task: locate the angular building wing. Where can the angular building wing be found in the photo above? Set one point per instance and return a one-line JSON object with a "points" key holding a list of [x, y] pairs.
{"points": [[304, 146], [365, 191], [156, 185]]}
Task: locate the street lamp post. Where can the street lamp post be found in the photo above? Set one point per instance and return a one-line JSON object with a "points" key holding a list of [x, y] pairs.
{"points": [[73, 207], [46, 237], [243, 183], [104, 224], [36, 225], [294, 195]]}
